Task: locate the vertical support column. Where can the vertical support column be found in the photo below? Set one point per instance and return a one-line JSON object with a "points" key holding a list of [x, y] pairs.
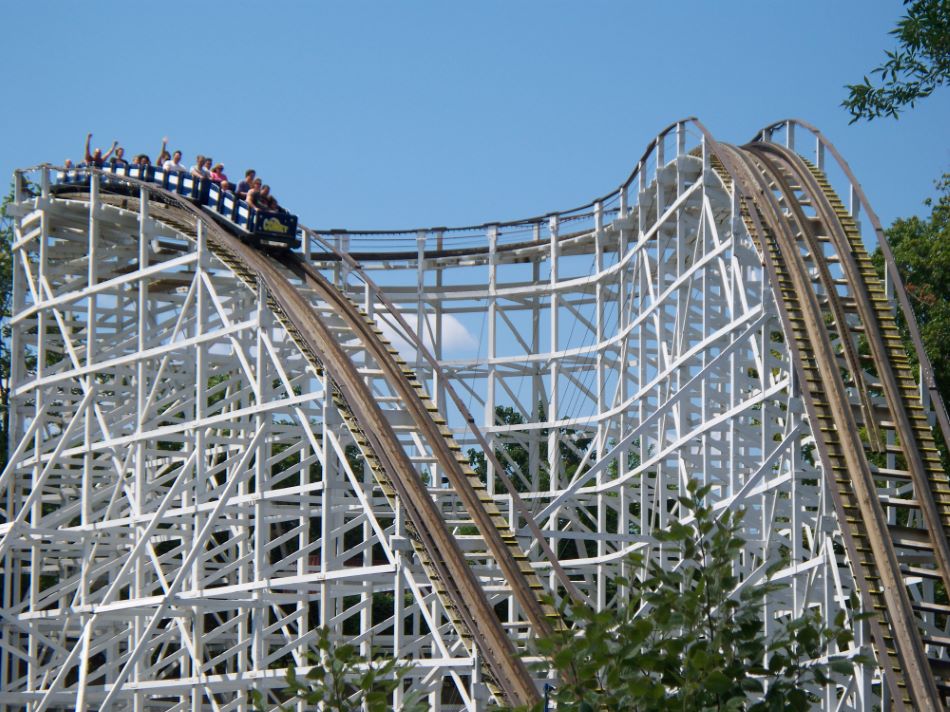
{"points": [[85, 502], [681, 299], [659, 325], [421, 325], [326, 501], [794, 467], [537, 386], [189, 527], [303, 567], [706, 236], [733, 299], [44, 185], [623, 499], [336, 238], [18, 193], [491, 354], [141, 452], [202, 486], [35, 668], [245, 570], [399, 606], [260, 611], [366, 593], [828, 603], [344, 247], [768, 428], [11, 565], [422, 329], [438, 387], [16, 350], [435, 697], [599, 444], [642, 281], [553, 450]]}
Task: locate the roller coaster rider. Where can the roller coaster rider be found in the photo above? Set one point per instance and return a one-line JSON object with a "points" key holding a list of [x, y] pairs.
{"points": [[97, 158], [255, 212], [174, 164]]}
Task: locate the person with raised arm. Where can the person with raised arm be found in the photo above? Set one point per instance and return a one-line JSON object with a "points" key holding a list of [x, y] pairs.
{"points": [[96, 158], [163, 154]]}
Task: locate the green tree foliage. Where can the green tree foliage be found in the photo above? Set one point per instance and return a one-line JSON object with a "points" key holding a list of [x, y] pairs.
{"points": [[921, 248], [6, 305], [514, 456], [912, 72], [683, 639], [341, 680]]}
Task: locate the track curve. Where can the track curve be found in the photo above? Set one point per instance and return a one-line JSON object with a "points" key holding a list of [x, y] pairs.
{"points": [[778, 189], [443, 559], [871, 431]]}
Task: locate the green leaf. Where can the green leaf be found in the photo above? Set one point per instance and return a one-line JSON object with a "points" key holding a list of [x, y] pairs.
{"points": [[777, 663], [717, 682]]}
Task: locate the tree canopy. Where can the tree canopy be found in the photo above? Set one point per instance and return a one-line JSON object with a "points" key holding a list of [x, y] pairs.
{"points": [[920, 65], [341, 680], [6, 305], [692, 636], [921, 248]]}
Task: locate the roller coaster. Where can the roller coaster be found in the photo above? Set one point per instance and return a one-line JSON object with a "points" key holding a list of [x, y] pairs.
{"points": [[218, 447]]}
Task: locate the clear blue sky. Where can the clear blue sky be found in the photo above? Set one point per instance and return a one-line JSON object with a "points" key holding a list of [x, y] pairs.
{"points": [[404, 114]]}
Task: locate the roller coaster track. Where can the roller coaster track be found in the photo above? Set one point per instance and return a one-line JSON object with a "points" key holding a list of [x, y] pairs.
{"points": [[867, 419], [803, 229], [437, 548], [849, 349]]}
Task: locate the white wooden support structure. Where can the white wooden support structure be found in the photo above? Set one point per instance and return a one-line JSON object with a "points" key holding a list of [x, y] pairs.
{"points": [[185, 503]]}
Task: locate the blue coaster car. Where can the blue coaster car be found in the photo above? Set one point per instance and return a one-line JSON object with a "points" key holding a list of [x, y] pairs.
{"points": [[271, 230]]}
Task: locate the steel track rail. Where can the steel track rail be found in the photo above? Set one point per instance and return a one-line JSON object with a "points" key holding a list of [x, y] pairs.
{"points": [[894, 626], [466, 602]]}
